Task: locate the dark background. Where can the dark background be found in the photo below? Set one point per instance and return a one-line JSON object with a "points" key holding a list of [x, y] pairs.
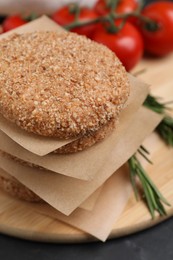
{"points": [[155, 243], [152, 244]]}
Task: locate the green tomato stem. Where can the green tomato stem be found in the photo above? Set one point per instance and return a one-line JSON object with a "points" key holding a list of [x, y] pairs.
{"points": [[110, 18]]}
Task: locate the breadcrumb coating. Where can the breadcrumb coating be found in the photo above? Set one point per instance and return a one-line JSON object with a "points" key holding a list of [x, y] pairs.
{"points": [[17, 189], [87, 140], [60, 84]]}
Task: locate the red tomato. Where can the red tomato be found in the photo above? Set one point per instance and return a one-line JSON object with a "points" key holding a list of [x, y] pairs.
{"points": [[127, 6], [12, 22], [124, 6], [160, 41], [64, 17], [127, 44]]}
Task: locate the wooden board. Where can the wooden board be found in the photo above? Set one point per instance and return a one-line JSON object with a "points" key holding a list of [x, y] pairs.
{"points": [[18, 219]]}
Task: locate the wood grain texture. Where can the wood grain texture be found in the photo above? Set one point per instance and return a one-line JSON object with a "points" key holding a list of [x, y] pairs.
{"points": [[18, 219]]}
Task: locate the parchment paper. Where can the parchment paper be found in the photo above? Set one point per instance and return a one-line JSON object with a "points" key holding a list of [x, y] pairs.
{"points": [[110, 204], [74, 165], [108, 209], [66, 194], [88, 204]]}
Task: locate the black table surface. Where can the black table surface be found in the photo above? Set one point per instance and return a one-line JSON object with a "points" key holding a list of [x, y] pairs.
{"points": [[154, 243]]}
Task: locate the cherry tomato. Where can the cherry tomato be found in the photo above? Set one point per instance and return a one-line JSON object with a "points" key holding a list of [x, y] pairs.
{"points": [[64, 17], [124, 6], [127, 6], [160, 41], [12, 22], [127, 44]]}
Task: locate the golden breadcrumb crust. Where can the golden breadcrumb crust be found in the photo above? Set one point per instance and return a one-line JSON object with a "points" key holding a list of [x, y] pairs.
{"points": [[17, 190], [60, 84]]}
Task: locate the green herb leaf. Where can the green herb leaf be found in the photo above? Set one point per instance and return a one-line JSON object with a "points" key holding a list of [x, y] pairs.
{"points": [[153, 197], [165, 128]]}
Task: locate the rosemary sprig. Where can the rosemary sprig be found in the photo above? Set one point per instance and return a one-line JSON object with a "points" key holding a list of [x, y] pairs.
{"points": [[153, 103], [154, 199], [165, 128]]}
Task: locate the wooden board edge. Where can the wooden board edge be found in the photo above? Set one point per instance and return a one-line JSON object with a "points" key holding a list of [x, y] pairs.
{"points": [[79, 238]]}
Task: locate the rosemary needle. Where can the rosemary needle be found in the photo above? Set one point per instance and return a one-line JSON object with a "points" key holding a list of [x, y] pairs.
{"points": [[165, 128], [153, 197]]}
